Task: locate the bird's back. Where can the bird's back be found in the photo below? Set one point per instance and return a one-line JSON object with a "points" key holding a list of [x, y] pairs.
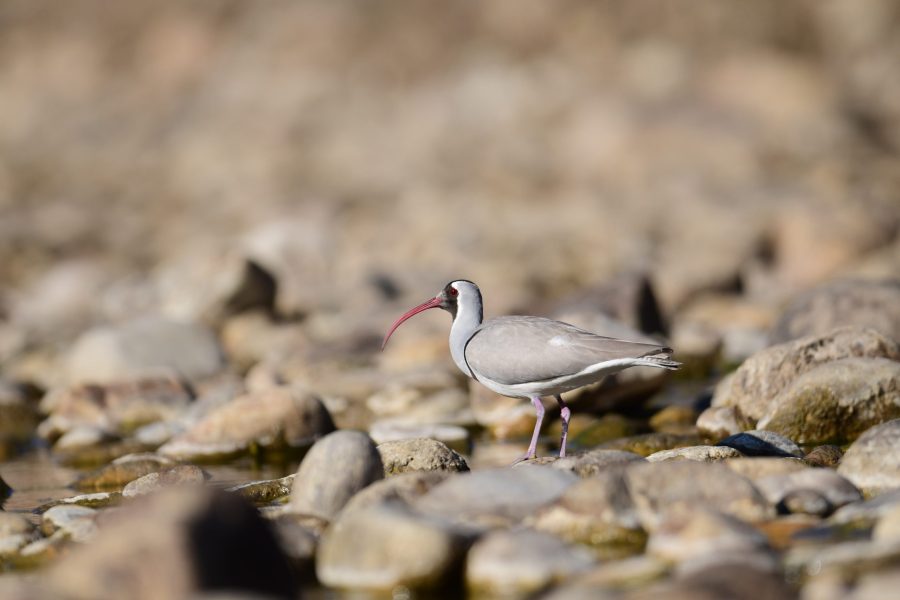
{"points": [[515, 350]]}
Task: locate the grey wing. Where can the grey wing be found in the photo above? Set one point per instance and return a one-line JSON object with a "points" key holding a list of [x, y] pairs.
{"points": [[513, 350]]}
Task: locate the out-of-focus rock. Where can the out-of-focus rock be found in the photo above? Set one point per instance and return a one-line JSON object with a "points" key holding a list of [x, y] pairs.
{"points": [[116, 408], [78, 523], [254, 338], [842, 303], [419, 454], [686, 536], [122, 471], [671, 487], [837, 401], [761, 378], [276, 420], [336, 467], [674, 419], [145, 347], [648, 443], [597, 512], [174, 544], [16, 531], [719, 422], [824, 456], [698, 453], [18, 416], [520, 563], [872, 462], [392, 431], [834, 488], [180, 475], [494, 497], [386, 545], [589, 464]]}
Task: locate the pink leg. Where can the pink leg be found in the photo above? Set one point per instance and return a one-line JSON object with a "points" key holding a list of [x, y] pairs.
{"points": [[532, 447], [565, 414]]}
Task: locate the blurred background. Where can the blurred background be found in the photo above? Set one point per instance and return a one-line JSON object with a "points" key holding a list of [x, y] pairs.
{"points": [[357, 151]]}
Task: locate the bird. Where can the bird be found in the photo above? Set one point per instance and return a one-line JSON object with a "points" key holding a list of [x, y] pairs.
{"points": [[531, 357]]}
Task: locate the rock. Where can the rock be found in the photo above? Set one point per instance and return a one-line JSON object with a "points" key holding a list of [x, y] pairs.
{"points": [[855, 303], [597, 512], [888, 526], [686, 536], [18, 416], [869, 512], [604, 580], [664, 487], [115, 408], [435, 400], [674, 419], [174, 544], [824, 456], [122, 471], [762, 443], [299, 543], [495, 497], [837, 401], [805, 501], [76, 522], [698, 453], [404, 488], [718, 422], [275, 420], [336, 467], [756, 384], [847, 560], [649, 443], [16, 531], [180, 475], [386, 545], [146, 347], [874, 586], [520, 563], [265, 492], [419, 454], [95, 500], [733, 581], [454, 436], [825, 482], [588, 464], [872, 462], [756, 467]]}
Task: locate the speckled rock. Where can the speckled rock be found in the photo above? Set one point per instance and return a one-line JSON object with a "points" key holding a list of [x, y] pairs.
{"points": [[386, 545], [180, 475], [597, 512], [837, 401], [336, 467], [266, 491], [698, 453], [521, 562], [762, 443], [824, 456], [670, 487], [754, 387], [145, 347], [872, 462], [419, 454], [495, 497], [858, 303], [453, 436], [276, 420]]}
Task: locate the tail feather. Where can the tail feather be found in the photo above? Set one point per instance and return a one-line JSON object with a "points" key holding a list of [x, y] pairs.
{"points": [[661, 362]]}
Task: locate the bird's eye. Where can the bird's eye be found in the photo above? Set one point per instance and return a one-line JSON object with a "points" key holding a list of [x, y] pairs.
{"points": [[453, 292]]}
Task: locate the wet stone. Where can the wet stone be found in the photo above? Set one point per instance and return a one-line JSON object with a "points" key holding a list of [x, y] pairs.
{"points": [[762, 443], [267, 491], [698, 453], [419, 454], [521, 562], [122, 471], [495, 497], [336, 467], [872, 462], [386, 545], [180, 475]]}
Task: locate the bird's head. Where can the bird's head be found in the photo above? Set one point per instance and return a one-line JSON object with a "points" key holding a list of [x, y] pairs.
{"points": [[460, 292]]}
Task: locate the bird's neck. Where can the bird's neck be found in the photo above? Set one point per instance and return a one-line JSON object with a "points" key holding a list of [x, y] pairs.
{"points": [[467, 319]]}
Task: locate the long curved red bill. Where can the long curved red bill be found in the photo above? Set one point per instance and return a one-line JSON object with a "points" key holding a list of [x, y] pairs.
{"points": [[433, 303]]}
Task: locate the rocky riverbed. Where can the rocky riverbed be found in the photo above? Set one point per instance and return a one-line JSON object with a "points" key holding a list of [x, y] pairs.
{"points": [[211, 212]]}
